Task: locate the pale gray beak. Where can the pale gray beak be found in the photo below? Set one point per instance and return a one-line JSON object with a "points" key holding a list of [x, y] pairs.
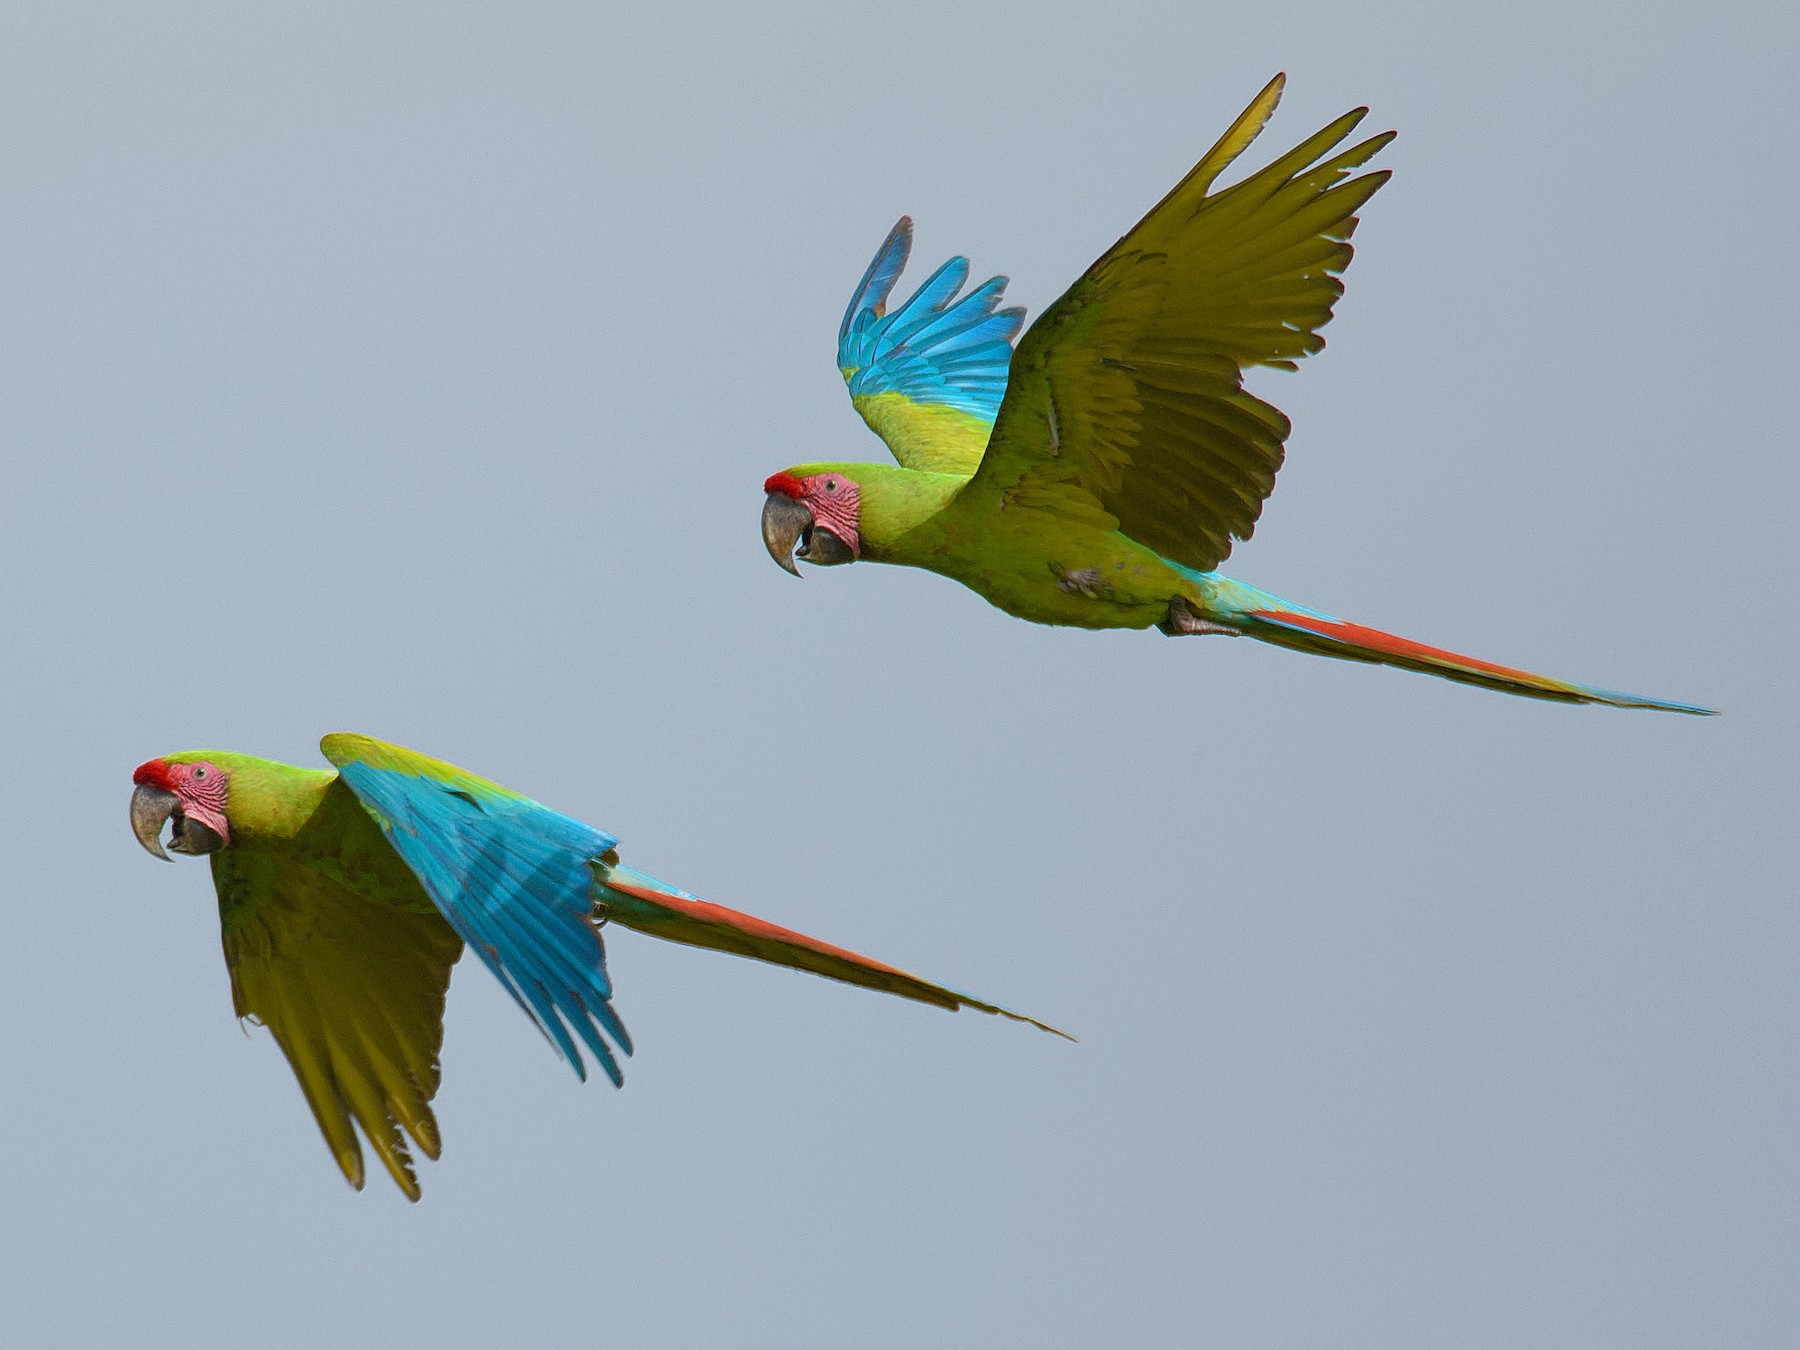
{"points": [[154, 807], [151, 808], [785, 523]]}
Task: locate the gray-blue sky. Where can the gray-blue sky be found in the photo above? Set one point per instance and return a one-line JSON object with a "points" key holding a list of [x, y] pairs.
{"points": [[416, 373]]}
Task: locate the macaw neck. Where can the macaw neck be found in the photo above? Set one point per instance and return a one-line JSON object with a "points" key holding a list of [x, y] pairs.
{"points": [[281, 814], [270, 802], [900, 509]]}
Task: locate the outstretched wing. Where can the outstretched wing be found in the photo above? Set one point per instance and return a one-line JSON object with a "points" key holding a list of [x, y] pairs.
{"points": [[353, 992], [510, 875], [1126, 406], [635, 900], [929, 377]]}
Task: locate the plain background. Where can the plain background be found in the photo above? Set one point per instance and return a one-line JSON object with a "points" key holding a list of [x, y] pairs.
{"points": [[416, 372]]}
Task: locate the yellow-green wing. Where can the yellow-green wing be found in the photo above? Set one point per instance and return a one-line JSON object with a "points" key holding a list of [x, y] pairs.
{"points": [[353, 991], [1125, 402]]}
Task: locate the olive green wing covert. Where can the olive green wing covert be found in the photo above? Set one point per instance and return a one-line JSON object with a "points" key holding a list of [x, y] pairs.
{"points": [[1125, 401]]}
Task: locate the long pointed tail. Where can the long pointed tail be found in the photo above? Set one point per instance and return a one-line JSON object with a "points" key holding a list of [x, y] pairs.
{"points": [[634, 900], [1309, 632]]}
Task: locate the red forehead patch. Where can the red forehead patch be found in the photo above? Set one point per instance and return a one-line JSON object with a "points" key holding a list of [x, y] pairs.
{"points": [[786, 484], [152, 772]]}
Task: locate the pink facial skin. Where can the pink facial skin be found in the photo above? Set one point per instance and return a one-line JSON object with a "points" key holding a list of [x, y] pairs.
{"points": [[833, 499], [201, 788]]}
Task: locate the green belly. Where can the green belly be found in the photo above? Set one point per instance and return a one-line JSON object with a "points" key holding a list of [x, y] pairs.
{"points": [[1068, 577]]}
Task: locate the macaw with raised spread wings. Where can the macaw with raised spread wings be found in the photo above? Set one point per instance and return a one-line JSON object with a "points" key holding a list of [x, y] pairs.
{"points": [[345, 897], [1097, 476]]}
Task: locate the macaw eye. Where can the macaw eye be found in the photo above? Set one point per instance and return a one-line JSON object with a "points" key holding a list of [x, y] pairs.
{"points": [[199, 773], [831, 485]]}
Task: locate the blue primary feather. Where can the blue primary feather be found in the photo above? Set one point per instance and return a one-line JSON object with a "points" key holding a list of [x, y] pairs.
{"points": [[935, 348], [884, 270], [512, 877], [929, 300]]}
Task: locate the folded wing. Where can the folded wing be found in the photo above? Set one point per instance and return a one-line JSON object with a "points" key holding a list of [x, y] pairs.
{"points": [[512, 878], [927, 378], [1126, 402]]}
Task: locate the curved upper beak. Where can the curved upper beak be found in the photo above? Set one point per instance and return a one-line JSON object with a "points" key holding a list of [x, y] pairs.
{"points": [[785, 522], [151, 808]]}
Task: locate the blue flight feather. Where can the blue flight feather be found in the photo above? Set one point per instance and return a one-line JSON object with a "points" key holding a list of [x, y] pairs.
{"points": [[935, 348], [513, 878], [872, 291]]}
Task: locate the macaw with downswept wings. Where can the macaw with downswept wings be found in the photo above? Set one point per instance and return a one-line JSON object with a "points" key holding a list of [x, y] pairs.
{"points": [[345, 897], [1097, 476]]}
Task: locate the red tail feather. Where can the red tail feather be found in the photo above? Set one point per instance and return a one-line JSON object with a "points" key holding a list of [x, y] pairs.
{"points": [[700, 923], [1351, 641], [753, 930], [1391, 645]]}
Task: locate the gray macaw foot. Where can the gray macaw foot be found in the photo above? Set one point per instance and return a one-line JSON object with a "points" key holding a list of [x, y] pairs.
{"points": [[1183, 620]]}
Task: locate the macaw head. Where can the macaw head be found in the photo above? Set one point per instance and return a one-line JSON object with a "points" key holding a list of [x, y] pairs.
{"points": [[813, 512], [187, 792]]}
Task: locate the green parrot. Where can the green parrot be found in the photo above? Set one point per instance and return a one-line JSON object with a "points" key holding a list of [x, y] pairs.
{"points": [[1097, 476], [345, 897]]}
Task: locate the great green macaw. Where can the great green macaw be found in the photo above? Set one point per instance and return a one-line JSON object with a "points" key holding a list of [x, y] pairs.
{"points": [[345, 897], [1097, 476]]}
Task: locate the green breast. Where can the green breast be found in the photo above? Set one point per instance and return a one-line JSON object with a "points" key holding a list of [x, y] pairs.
{"points": [[285, 817], [1034, 564]]}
